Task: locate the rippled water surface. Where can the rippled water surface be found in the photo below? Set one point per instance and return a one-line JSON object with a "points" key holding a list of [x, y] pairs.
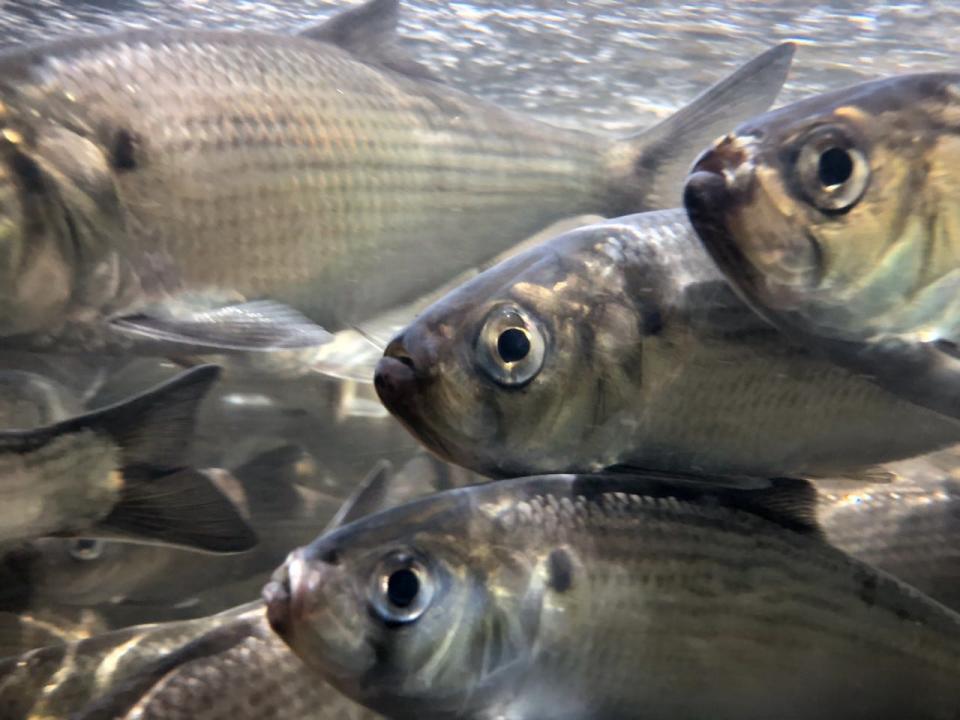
{"points": [[600, 63]]}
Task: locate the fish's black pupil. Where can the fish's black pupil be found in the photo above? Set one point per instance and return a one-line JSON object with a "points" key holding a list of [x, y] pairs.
{"points": [[85, 544], [402, 587], [835, 168], [513, 345]]}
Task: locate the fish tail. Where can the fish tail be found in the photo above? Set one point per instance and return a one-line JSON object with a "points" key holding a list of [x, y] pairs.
{"points": [[646, 169], [162, 500]]}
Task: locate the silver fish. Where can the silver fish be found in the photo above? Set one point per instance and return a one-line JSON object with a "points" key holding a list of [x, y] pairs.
{"points": [[621, 344], [119, 471], [836, 217], [613, 597], [189, 192]]}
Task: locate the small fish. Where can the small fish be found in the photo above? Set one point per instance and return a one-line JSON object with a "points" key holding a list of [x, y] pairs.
{"points": [[613, 597], [838, 219], [189, 193], [229, 666], [621, 344], [118, 472], [226, 667]]}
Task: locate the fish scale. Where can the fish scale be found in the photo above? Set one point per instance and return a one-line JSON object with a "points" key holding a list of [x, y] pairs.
{"points": [[597, 596], [164, 173]]}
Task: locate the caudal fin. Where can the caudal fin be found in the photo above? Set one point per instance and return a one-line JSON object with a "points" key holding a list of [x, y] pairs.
{"points": [[647, 169], [162, 500]]}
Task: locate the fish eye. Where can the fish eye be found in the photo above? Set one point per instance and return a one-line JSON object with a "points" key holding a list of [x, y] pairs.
{"points": [[832, 172], [511, 346], [85, 548], [402, 589]]}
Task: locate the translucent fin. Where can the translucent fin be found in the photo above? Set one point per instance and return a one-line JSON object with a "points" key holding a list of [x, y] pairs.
{"points": [[648, 168], [369, 32], [259, 326]]}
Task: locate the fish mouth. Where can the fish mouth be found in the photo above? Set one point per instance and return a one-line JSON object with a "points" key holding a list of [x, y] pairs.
{"points": [[768, 259], [288, 596]]}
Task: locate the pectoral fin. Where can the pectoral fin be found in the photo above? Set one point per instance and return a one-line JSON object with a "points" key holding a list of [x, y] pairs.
{"points": [[259, 326]]}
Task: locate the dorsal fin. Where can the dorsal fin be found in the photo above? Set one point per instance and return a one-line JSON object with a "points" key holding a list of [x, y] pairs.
{"points": [[369, 32], [788, 502]]}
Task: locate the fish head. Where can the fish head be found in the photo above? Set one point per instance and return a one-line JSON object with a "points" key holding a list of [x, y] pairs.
{"points": [[58, 214], [418, 611], [809, 209], [511, 373]]}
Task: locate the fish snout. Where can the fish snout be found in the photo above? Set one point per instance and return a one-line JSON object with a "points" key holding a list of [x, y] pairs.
{"points": [[290, 594], [395, 376]]}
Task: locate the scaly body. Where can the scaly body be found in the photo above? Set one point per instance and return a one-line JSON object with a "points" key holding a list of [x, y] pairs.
{"points": [[160, 174], [613, 597], [637, 352]]}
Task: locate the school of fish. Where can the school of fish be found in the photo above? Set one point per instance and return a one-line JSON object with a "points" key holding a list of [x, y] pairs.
{"points": [[331, 391]]}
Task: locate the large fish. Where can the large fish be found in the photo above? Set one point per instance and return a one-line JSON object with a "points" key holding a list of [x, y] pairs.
{"points": [[189, 192], [119, 471], [837, 219], [613, 597], [621, 344]]}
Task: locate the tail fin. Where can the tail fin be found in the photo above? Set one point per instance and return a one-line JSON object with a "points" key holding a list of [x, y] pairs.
{"points": [[647, 169], [161, 500]]}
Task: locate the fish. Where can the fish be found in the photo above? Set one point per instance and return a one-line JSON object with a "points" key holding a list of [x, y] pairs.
{"points": [[574, 596], [621, 344], [118, 472], [228, 665], [835, 218], [187, 193]]}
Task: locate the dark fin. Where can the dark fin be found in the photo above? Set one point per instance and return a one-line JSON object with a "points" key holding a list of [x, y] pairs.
{"points": [[151, 429], [369, 32], [369, 497], [269, 481], [259, 326], [789, 502], [648, 168], [122, 697], [181, 508]]}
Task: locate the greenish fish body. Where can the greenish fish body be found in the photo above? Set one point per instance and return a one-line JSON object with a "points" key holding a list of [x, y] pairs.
{"points": [[837, 219], [621, 344], [158, 187], [613, 597]]}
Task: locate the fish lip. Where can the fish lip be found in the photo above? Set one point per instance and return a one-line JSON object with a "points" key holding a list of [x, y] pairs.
{"points": [[707, 198], [289, 594]]}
